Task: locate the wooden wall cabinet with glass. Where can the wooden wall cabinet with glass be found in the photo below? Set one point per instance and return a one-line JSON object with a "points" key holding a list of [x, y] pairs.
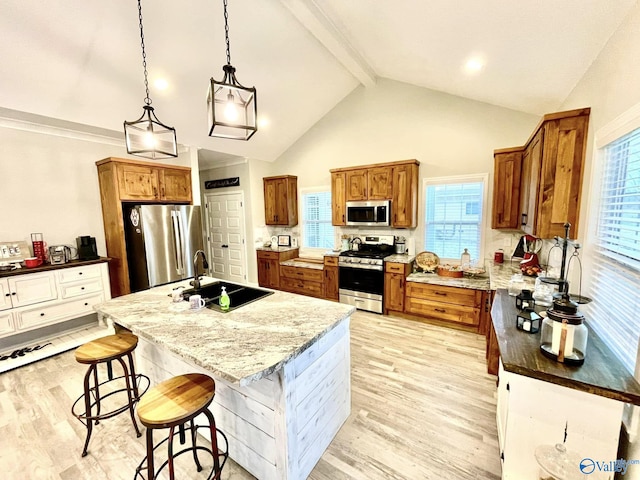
{"points": [[331, 279], [134, 181], [395, 181], [506, 188], [395, 275], [281, 200], [269, 266], [551, 176]]}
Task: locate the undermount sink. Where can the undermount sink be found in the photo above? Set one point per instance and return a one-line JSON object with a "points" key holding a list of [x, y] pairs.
{"points": [[238, 294]]}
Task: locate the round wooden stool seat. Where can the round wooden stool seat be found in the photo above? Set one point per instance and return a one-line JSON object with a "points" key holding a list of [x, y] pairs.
{"points": [[112, 349], [176, 400], [106, 348], [174, 404]]}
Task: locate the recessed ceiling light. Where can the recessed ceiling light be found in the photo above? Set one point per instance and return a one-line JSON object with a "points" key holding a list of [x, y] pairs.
{"points": [[161, 83], [474, 65]]}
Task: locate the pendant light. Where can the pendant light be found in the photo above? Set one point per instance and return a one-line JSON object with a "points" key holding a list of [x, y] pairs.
{"points": [[231, 108], [147, 136]]}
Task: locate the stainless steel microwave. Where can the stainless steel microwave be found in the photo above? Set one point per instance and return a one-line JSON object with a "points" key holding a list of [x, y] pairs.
{"points": [[369, 214]]}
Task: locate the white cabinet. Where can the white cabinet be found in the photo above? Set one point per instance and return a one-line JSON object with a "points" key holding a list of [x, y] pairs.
{"points": [[6, 323], [32, 288], [32, 300], [532, 412]]}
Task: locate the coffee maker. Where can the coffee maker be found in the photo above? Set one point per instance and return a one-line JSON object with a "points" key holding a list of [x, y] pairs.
{"points": [[87, 249]]}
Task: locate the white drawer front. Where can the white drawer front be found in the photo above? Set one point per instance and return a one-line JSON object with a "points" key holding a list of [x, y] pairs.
{"points": [[34, 317], [81, 288], [66, 275], [6, 324]]}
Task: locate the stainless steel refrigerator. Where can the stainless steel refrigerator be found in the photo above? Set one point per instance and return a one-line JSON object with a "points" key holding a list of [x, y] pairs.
{"points": [[161, 241]]}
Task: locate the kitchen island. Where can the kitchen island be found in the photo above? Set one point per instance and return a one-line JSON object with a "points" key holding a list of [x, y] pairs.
{"points": [[281, 366]]}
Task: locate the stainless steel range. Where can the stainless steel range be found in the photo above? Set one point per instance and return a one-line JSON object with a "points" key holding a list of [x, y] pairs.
{"points": [[362, 273]]}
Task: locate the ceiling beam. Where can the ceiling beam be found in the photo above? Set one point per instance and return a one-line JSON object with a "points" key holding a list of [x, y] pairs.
{"points": [[309, 14]]}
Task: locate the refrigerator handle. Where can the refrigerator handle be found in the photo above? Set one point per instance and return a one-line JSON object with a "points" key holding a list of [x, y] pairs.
{"points": [[181, 231], [176, 241]]}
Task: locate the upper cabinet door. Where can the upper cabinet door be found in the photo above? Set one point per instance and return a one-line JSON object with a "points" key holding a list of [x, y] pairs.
{"points": [[137, 182], [357, 185], [338, 198], [379, 182], [175, 185], [404, 205], [506, 189], [531, 162], [281, 200]]}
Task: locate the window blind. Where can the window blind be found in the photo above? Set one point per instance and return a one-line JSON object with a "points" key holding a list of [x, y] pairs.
{"points": [[318, 231], [616, 274], [453, 218]]}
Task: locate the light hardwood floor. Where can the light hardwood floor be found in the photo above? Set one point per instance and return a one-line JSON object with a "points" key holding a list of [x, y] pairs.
{"points": [[423, 407]]}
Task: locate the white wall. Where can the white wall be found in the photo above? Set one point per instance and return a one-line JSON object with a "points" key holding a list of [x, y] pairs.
{"points": [[611, 86], [50, 185], [449, 135]]}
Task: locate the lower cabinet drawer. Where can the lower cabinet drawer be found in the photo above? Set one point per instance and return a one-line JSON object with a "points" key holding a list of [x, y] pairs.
{"points": [[438, 293], [79, 273], [45, 314], [6, 323], [303, 287], [82, 288], [300, 273], [443, 311]]}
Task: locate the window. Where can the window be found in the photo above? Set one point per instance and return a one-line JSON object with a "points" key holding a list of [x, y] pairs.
{"points": [[454, 216], [317, 231], [616, 257]]}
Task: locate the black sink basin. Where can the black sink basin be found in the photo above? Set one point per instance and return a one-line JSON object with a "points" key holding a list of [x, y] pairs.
{"points": [[238, 294]]}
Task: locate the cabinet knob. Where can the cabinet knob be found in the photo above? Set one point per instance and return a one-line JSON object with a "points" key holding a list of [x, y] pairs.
{"points": [[7, 294], [13, 293], [81, 288], [42, 314], [79, 273], [86, 304], [441, 310], [343, 217]]}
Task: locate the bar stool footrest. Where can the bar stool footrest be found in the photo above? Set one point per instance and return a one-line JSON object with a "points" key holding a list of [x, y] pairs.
{"points": [[143, 383], [223, 454]]}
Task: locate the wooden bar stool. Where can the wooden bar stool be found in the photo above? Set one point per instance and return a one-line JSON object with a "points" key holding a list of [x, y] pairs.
{"points": [[106, 350], [175, 403]]}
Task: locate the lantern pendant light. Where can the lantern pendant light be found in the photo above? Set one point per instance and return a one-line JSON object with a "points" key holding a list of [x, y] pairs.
{"points": [[147, 136], [231, 108]]}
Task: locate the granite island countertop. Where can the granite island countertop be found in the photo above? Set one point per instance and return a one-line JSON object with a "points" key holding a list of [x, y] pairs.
{"points": [[241, 346]]}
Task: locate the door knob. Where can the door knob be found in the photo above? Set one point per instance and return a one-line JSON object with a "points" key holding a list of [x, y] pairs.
{"points": [[224, 246]]}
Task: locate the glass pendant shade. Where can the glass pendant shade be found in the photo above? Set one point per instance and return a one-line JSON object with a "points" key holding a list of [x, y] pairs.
{"points": [[231, 108], [148, 137]]}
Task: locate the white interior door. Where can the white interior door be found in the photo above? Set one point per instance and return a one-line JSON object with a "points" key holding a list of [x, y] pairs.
{"points": [[226, 236]]}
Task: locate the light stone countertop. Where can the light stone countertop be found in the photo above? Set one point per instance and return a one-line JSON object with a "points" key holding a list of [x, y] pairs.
{"points": [[241, 346], [276, 249], [297, 262], [400, 258], [501, 273], [475, 283]]}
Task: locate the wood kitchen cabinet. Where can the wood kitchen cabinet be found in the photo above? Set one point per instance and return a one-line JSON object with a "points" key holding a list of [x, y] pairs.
{"points": [[506, 188], [451, 304], [395, 181], [269, 266], [281, 200], [550, 177], [338, 198], [395, 275], [302, 280], [134, 181], [331, 279]]}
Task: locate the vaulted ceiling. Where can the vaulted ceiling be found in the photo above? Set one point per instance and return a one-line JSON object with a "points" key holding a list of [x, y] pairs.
{"points": [[80, 61]]}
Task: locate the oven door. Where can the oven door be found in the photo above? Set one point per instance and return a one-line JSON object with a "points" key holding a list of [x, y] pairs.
{"points": [[362, 280]]}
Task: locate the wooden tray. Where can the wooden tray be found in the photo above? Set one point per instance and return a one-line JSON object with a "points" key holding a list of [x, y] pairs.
{"points": [[445, 272], [427, 261]]}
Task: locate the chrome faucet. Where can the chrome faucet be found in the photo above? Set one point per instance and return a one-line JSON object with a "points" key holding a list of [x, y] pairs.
{"points": [[205, 265]]}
